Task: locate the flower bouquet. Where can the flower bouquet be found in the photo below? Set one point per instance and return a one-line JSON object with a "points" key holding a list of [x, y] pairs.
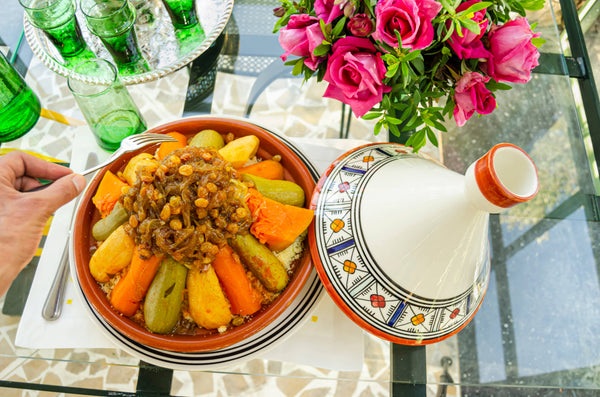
{"points": [[397, 60]]}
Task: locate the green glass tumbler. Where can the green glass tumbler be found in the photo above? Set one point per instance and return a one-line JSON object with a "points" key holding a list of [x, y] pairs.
{"points": [[19, 106], [113, 22], [182, 13], [105, 102], [56, 18]]}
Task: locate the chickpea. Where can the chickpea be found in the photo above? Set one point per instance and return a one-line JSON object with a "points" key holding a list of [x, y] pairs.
{"points": [[233, 228]]}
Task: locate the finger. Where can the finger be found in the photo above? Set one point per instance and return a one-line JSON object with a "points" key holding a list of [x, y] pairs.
{"points": [[61, 191], [26, 183], [22, 163]]}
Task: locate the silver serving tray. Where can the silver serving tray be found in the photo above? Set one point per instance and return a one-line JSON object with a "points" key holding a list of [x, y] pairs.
{"points": [[156, 38]]}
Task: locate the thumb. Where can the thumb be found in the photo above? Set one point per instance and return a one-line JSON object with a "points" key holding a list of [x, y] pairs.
{"points": [[63, 190]]}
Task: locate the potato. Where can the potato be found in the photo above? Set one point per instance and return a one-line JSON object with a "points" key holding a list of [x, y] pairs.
{"points": [[206, 138], [112, 256], [207, 303], [240, 150], [135, 164]]}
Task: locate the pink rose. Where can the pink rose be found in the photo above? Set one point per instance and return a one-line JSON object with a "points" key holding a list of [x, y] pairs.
{"points": [[470, 45], [470, 95], [300, 37], [355, 72], [360, 25], [411, 18], [513, 55], [327, 10]]}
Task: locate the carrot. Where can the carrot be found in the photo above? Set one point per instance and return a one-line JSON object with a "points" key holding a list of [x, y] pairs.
{"points": [[108, 193], [131, 289], [275, 224], [269, 169], [244, 299], [167, 147]]}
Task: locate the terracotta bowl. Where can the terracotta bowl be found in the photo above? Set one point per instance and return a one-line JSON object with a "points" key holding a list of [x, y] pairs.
{"points": [[208, 340]]}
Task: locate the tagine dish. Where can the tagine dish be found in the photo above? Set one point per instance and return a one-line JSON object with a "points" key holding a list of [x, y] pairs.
{"points": [[197, 238]]}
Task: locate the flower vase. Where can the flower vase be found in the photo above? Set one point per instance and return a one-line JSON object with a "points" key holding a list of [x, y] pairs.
{"points": [[401, 242]]}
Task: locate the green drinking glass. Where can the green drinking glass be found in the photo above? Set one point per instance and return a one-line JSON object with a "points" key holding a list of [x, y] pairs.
{"points": [[182, 13], [113, 22], [19, 106], [56, 18], [105, 103]]}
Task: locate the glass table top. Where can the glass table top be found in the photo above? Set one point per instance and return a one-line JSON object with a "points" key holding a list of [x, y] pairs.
{"points": [[538, 328]]}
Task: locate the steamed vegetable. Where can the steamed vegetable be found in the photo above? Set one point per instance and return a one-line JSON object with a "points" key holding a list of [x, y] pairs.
{"points": [[244, 299], [276, 225], [105, 226], [131, 289], [261, 261], [285, 192], [207, 138], [268, 169], [112, 256], [240, 150], [167, 147], [135, 164], [162, 306], [108, 193], [207, 303]]}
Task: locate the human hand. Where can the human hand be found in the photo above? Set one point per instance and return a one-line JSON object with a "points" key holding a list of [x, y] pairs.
{"points": [[23, 215]]}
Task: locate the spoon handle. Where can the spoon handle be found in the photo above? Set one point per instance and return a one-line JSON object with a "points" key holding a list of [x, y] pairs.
{"points": [[53, 305]]}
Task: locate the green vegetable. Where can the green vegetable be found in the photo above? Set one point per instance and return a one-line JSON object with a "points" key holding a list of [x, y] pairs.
{"points": [[165, 295], [104, 227], [286, 192], [261, 261], [206, 138]]}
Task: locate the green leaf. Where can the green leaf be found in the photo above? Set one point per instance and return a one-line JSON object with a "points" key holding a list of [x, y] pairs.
{"points": [[448, 34], [432, 137], [392, 69], [393, 120], [298, 67], [371, 116], [538, 41], [321, 50], [471, 25], [419, 65], [494, 85], [474, 8], [377, 127], [339, 26], [411, 55]]}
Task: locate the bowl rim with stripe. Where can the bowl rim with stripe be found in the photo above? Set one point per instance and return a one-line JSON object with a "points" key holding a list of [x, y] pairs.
{"points": [[270, 145]]}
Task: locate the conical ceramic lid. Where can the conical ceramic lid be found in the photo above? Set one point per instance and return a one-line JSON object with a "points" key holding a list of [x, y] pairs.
{"points": [[400, 242]]}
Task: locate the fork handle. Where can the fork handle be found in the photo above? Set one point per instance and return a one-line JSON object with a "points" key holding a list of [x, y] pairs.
{"points": [[53, 305]]}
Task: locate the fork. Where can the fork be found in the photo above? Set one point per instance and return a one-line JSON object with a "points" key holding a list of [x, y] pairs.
{"points": [[131, 143]]}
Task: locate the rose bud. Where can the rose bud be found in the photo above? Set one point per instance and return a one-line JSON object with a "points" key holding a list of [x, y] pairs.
{"points": [[360, 25]]}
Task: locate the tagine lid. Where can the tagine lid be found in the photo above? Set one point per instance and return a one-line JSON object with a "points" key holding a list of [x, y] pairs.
{"points": [[358, 207]]}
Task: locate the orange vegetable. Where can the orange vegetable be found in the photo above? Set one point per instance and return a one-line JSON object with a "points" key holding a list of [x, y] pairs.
{"points": [[167, 147], [131, 289], [275, 224], [108, 193], [269, 169], [244, 299]]}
